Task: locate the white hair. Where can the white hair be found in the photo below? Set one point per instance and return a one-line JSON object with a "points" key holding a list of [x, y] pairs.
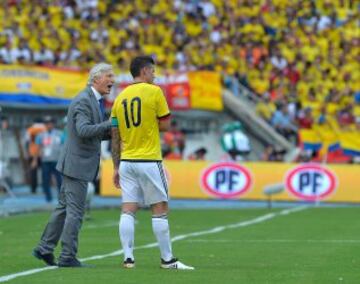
{"points": [[98, 70]]}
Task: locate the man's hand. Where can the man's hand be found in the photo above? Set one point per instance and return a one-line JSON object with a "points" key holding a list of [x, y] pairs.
{"points": [[116, 178]]}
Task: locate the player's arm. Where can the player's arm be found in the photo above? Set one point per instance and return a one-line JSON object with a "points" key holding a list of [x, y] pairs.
{"points": [[115, 150], [162, 111], [164, 123]]}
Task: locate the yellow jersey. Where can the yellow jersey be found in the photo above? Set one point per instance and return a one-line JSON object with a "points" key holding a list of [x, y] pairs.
{"points": [[136, 112]]}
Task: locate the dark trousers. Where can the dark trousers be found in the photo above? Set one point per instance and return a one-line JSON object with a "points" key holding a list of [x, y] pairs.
{"points": [[66, 219], [33, 175], [49, 170]]}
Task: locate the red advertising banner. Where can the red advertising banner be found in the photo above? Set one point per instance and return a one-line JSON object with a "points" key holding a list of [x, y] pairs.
{"points": [[178, 96]]}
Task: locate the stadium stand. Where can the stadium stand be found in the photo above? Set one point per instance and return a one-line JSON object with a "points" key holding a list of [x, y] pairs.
{"points": [[299, 56]]}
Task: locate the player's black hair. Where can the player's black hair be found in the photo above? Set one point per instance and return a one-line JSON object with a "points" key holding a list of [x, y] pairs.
{"points": [[139, 63]]}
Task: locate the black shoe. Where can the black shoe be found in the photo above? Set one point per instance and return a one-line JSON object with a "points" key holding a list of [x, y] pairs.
{"points": [[129, 263], [72, 263], [48, 258]]}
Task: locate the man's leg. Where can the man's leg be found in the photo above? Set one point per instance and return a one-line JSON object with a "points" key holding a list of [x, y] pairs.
{"points": [[160, 225], [130, 200], [75, 196], [155, 188], [53, 229], [161, 230], [127, 232]]}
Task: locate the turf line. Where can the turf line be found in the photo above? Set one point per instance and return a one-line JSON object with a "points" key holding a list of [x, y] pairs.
{"points": [[274, 241], [214, 230]]}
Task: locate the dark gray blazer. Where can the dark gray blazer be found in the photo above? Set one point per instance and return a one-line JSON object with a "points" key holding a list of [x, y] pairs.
{"points": [[80, 156]]}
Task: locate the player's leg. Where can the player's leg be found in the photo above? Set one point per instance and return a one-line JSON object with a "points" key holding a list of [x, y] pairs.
{"points": [[155, 187], [161, 229], [130, 199], [127, 232]]}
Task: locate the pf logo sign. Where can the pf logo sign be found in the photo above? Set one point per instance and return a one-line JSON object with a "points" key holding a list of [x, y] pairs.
{"points": [[226, 180], [310, 182]]}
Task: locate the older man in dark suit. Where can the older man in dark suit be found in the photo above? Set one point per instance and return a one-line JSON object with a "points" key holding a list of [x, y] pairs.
{"points": [[78, 164]]}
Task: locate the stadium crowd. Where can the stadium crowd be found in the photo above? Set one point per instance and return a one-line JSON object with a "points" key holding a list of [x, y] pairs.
{"points": [[300, 57]]}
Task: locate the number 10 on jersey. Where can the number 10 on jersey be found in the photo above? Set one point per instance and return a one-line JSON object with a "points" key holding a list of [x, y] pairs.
{"points": [[135, 112]]}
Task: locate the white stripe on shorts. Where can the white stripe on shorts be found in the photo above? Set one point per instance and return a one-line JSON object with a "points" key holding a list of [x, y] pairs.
{"points": [[163, 177]]}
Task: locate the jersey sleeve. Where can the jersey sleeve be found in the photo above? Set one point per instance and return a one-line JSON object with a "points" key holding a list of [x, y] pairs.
{"points": [[162, 108]]}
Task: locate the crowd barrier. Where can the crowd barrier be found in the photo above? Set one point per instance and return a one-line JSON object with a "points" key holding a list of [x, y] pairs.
{"points": [[246, 181]]}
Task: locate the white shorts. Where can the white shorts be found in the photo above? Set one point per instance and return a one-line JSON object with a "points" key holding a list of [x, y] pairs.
{"points": [[144, 183]]}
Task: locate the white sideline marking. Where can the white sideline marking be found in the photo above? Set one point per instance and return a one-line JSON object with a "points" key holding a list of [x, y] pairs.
{"points": [[174, 239], [273, 241], [24, 273]]}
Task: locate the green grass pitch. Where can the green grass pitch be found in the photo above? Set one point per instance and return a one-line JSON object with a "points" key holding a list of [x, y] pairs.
{"points": [[314, 245]]}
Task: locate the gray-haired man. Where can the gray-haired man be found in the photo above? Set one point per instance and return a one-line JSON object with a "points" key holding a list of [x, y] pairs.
{"points": [[78, 164]]}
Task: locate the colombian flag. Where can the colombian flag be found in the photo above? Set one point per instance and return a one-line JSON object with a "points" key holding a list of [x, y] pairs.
{"points": [[329, 138], [350, 143], [310, 139]]}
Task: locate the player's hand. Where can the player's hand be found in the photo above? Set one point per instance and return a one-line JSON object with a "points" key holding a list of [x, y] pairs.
{"points": [[116, 179]]}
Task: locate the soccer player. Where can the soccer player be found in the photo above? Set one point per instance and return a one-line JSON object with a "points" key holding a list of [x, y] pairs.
{"points": [[138, 114]]}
